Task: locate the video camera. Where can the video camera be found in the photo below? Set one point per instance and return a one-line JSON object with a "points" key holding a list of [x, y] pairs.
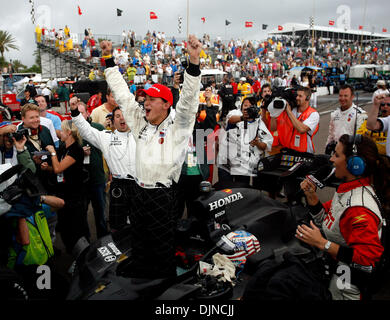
{"points": [[19, 134], [280, 97]]}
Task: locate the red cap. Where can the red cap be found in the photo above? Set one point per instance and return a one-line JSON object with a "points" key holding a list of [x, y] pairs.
{"points": [[160, 91]]}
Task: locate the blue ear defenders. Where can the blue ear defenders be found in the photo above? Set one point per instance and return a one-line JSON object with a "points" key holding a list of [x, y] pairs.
{"points": [[355, 164]]}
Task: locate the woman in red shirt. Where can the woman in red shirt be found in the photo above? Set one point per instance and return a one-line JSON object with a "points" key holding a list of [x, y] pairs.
{"points": [[349, 226]]}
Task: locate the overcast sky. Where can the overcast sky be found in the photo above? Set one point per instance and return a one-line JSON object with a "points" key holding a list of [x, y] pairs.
{"points": [[101, 17]]}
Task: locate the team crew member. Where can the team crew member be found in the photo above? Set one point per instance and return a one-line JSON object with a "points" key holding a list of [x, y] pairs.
{"points": [[351, 222], [118, 149], [382, 123], [297, 127], [161, 145], [342, 120], [379, 137]]}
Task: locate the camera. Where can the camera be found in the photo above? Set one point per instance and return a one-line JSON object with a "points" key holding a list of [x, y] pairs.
{"points": [[19, 134], [280, 97], [253, 112], [184, 66]]}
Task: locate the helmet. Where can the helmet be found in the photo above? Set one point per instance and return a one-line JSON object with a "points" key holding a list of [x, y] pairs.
{"points": [[242, 243]]}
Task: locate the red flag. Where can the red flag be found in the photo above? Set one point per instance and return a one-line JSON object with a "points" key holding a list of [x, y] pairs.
{"points": [[360, 27], [203, 19], [152, 15], [280, 28], [80, 13], [384, 30], [248, 24], [331, 22]]}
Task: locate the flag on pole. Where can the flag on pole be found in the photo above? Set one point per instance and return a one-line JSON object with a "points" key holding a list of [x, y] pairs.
{"points": [[384, 30], [203, 19], [227, 22], [331, 22], [265, 26], [280, 28], [248, 24], [119, 12], [360, 27], [153, 15], [80, 13]]}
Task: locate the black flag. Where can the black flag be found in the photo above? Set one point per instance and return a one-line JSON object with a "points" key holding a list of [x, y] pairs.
{"points": [[265, 26], [227, 23], [119, 12]]}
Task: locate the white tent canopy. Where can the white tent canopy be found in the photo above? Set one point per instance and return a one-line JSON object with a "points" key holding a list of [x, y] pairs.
{"points": [[289, 28], [21, 82]]}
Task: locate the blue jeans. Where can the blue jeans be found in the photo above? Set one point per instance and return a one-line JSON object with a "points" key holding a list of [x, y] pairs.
{"points": [[97, 196]]}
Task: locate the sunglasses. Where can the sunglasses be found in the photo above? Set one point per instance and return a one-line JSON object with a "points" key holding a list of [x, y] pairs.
{"points": [[385, 104]]}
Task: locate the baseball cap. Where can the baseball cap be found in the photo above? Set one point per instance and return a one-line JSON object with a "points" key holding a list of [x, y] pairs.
{"points": [[381, 83], [160, 91]]}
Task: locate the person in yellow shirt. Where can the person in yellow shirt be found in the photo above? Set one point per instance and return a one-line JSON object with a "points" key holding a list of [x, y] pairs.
{"points": [[147, 70], [61, 47], [91, 75], [67, 31], [244, 88], [379, 137], [69, 44], [38, 33], [203, 54]]}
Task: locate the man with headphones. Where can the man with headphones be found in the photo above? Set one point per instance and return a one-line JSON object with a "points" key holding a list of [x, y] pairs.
{"points": [[381, 123], [296, 127], [118, 148]]}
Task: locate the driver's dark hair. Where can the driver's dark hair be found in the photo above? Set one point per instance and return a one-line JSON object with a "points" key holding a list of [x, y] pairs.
{"points": [[377, 167], [113, 113], [347, 86]]}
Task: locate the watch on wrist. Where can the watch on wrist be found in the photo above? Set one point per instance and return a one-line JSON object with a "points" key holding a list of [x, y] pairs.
{"points": [[43, 199], [327, 245]]}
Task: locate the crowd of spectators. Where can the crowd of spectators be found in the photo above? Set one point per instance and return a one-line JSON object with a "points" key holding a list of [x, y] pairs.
{"points": [[79, 160]]}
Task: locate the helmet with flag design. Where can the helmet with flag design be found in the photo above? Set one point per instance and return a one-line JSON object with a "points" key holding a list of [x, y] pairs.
{"points": [[242, 244]]}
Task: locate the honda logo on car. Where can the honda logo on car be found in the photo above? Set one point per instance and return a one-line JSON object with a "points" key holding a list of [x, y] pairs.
{"points": [[221, 202]]}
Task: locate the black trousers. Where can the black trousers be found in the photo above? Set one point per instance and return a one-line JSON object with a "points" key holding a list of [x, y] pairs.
{"points": [[120, 205], [153, 219], [72, 220], [188, 192]]}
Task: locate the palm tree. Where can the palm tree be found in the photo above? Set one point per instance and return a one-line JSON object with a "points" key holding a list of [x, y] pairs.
{"points": [[18, 66], [7, 42]]}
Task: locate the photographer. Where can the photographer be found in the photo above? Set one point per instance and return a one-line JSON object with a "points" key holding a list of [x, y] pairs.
{"points": [[245, 141], [266, 94], [297, 126], [227, 96], [12, 148], [38, 138]]}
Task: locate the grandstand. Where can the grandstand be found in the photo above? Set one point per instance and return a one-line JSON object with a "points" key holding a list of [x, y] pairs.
{"points": [[300, 30]]}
